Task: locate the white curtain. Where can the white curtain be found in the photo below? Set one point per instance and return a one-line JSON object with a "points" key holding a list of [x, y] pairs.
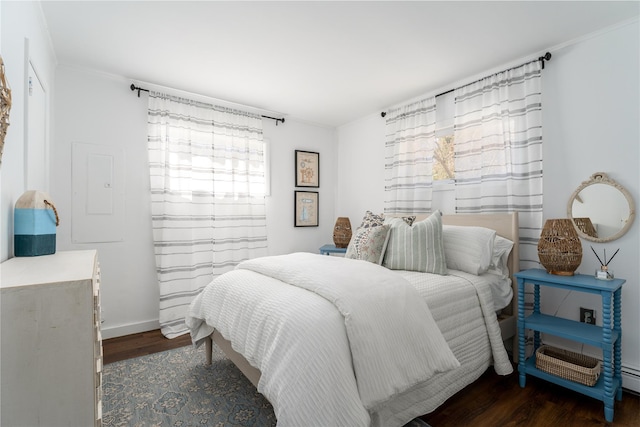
{"points": [[207, 197], [409, 144], [498, 150]]}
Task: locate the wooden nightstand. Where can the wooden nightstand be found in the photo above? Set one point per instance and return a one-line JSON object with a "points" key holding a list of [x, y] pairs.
{"points": [[607, 337], [331, 249]]}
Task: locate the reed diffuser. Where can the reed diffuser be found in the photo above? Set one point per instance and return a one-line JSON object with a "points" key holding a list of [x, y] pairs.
{"points": [[604, 272]]}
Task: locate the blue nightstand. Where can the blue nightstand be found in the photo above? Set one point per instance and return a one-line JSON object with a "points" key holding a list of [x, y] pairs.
{"points": [[607, 336], [331, 249]]}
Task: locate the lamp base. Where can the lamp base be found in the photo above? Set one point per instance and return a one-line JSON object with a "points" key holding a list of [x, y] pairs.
{"points": [[561, 273]]}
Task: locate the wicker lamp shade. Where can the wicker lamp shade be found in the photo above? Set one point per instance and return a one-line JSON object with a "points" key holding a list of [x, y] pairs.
{"points": [[559, 247], [586, 226], [342, 232]]}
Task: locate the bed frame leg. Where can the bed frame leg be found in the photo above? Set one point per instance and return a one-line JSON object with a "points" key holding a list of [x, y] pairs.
{"points": [[208, 346]]}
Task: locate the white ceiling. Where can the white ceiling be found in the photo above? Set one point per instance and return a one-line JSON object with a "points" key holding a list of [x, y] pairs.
{"points": [[325, 62]]}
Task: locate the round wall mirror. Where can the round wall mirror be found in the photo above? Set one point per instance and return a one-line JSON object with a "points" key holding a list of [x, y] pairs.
{"points": [[601, 209]]}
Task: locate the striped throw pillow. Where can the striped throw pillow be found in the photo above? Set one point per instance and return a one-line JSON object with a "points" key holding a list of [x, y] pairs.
{"points": [[416, 248]]}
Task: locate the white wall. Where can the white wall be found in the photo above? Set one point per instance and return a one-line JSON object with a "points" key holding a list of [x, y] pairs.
{"points": [[24, 38], [98, 109], [361, 168], [590, 124], [95, 108], [284, 139]]}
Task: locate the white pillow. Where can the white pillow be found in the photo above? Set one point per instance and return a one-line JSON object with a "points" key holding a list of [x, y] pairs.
{"points": [[468, 248], [501, 250]]}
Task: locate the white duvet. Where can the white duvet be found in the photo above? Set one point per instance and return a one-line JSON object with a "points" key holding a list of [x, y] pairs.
{"points": [[315, 371]]}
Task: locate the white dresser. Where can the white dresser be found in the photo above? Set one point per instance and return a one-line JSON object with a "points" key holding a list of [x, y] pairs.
{"points": [[51, 347]]}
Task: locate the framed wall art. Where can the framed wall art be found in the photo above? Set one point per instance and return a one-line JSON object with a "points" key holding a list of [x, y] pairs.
{"points": [[307, 169], [306, 209]]}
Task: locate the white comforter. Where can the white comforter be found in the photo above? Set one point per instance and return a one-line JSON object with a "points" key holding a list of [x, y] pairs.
{"points": [[300, 343], [393, 338]]}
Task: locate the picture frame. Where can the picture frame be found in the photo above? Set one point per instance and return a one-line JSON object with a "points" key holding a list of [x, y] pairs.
{"points": [[307, 169], [305, 208]]}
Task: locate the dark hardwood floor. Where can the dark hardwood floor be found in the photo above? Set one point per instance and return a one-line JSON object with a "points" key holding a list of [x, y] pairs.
{"points": [[491, 401], [136, 345]]}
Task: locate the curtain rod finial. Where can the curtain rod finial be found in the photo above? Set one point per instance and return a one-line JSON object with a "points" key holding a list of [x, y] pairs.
{"points": [[546, 57], [133, 87]]}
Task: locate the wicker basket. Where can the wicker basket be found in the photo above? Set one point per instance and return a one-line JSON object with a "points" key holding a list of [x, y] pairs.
{"points": [[568, 365]]}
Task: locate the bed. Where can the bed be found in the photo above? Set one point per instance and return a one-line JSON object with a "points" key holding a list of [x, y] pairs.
{"points": [[302, 349]]}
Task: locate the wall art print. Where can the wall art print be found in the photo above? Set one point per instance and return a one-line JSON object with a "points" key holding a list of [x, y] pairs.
{"points": [[307, 169], [306, 209]]}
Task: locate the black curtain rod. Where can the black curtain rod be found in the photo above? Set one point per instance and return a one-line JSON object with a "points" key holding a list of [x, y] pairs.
{"points": [[545, 57], [134, 88], [281, 120]]}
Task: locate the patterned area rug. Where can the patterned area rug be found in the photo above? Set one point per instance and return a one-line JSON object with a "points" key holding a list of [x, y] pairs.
{"points": [[176, 388]]}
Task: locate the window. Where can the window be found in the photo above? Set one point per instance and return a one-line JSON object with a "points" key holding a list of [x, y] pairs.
{"points": [[443, 161], [443, 165]]}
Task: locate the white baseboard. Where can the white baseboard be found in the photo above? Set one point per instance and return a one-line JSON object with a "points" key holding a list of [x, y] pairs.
{"points": [[132, 328], [631, 378]]}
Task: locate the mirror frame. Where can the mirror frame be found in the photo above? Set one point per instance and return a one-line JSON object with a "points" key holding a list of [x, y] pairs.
{"points": [[5, 106], [602, 178]]}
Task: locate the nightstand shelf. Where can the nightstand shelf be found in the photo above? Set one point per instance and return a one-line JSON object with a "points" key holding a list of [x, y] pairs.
{"points": [[607, 337], [569, 329], [595, 391]]}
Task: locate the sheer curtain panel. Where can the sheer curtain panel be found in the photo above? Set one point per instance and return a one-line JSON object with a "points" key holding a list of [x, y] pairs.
{"points": [[498, 150], [207, 180], [409, 144]]}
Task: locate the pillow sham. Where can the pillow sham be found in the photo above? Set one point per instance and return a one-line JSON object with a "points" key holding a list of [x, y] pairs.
{"points": [[369, 244], [372, 220], [499, 261], [468, 248], [409, 219], [418, 247]]}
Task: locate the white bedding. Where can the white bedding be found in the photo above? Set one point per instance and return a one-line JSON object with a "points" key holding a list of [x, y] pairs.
{"points": [[393, 338], [500, 287], [299, 342]]}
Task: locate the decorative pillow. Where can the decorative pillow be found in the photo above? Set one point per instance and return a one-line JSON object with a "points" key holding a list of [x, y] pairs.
{"points": [[369, 244], [468, 248], [418, 247], [501, 250], [409, 219], [372, 220]]}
